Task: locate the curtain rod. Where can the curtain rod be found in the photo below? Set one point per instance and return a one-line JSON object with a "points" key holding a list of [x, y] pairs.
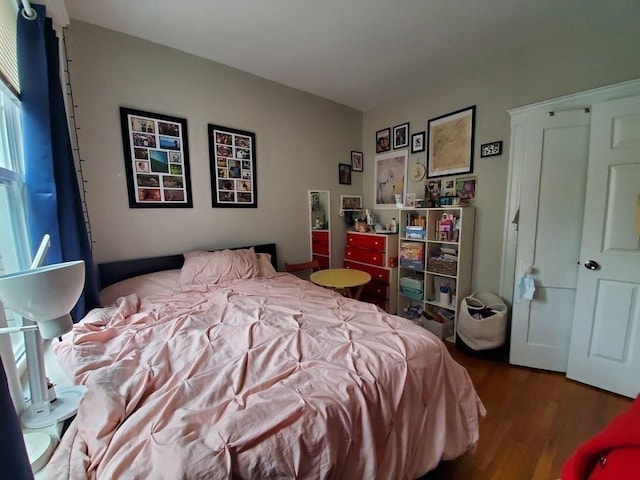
{"points": [[28, 12]]}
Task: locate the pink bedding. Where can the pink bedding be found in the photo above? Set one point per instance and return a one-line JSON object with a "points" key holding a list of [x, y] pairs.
{"points": [[260, 378]]}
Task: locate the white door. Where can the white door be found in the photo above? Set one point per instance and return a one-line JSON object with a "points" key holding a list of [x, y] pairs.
{"points": [[605, 341], [552, 190]]}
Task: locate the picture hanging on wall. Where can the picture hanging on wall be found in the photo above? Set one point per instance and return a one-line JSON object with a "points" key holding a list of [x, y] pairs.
{"points": [[450, 142], [383, 140], [417, 142], [401, 136], [357, 164], [156, 153], [232, 162], [390, 178], [344, 174]]}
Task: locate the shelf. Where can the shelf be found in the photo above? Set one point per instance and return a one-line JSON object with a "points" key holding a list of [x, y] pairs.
{"points": [[438, 241], [441, 305], [440, 274]]}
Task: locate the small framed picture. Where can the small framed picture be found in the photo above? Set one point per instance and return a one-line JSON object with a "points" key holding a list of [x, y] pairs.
{"points": [[491, 149], [401, 136], [417, 142], [383, 140], [410, 200], [356, 161], [351, 202], [344, 174], [466, 189]]}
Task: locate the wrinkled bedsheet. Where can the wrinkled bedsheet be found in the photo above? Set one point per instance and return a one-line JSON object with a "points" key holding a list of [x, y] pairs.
{"points": [[260, 378]]}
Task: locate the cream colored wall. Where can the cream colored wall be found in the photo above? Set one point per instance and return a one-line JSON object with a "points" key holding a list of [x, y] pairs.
{"points": [[300, 140], [509, 80]]}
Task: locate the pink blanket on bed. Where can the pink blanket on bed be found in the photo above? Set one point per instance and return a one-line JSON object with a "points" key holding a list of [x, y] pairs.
{"points": [[261, 378]]}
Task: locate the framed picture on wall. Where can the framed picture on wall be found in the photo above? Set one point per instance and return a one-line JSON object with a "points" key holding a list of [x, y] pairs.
{"points": [[417, 142], [344, 174], [401, 136], [232, 163], [450, 141], [383, 140], [390, 178], [156, 155], [356, 161]]}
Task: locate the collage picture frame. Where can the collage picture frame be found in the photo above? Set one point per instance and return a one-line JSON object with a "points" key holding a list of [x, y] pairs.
{"points": [[232, 163], [156, 153]]}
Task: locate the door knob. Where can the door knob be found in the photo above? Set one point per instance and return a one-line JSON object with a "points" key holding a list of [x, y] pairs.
{"points": [[591, 265]]}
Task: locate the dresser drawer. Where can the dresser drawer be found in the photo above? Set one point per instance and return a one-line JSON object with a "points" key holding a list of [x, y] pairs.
{"points": [[373, 242], [372, 257], [320, 237], [376, 289], [379, 274], [320, 248]]}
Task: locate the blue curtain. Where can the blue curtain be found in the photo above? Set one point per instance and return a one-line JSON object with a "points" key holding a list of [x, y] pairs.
{"points": [[14, 462], [53, 196]]}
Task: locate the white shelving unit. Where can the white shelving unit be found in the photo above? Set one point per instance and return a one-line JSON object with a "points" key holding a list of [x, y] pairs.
{"points": [[435, 249]]}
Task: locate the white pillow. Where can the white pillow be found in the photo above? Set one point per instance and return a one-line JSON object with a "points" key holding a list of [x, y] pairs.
{"points": [[215, 267], [142, 285], [265, 267]]}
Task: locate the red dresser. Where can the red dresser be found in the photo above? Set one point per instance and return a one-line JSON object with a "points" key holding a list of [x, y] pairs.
{"points": [[372, 253]]}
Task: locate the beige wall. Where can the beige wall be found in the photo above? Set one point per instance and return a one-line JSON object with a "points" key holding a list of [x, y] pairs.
{"points": [[511, 79], [300, 140]]}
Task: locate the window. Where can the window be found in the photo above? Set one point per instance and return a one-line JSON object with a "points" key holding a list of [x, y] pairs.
{"points": [[14, 243]]}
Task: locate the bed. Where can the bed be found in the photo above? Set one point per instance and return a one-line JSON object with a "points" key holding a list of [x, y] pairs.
{"points": [[229, 369]]}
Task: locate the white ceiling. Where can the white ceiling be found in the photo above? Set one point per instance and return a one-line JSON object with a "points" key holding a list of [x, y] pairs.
{"points": [[360, 53]]}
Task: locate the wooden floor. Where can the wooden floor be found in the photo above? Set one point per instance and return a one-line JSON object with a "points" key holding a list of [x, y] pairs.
{"points": [[535, 420]]}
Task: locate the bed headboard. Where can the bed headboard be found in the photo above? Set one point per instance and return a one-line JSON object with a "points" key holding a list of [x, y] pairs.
{"points": [[112, 272]]}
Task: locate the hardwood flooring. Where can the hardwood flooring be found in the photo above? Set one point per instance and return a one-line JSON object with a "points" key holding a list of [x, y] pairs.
{"points": [[535, 420]]}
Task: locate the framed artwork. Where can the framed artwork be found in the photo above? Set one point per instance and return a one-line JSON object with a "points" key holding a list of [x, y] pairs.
{"points": [[350, 202], [450, 143], [417, 142], [383, 140], [401, 136], [491, 149], [232, 164], [390, 178], [356, 161], [466, 189], [344, 174], [156, 156], [410, 200]]}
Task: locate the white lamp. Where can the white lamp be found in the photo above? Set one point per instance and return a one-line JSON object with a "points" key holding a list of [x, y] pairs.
{"points": [[44, 295]]}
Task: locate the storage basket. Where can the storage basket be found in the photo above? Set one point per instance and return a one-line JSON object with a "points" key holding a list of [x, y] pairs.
{"points": [[484, 333], [445, 267]]}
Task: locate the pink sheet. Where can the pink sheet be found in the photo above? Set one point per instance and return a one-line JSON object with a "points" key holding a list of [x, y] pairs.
{"points": [[261, 378]]}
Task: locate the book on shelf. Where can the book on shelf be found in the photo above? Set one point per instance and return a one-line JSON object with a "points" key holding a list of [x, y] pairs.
{"points": [[412, 251]]}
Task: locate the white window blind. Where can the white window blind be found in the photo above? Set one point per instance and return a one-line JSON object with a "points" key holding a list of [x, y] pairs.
{"points": [[8, 48]]}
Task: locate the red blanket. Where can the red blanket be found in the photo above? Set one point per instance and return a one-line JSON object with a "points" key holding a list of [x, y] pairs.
{"points": [[614, 453]]}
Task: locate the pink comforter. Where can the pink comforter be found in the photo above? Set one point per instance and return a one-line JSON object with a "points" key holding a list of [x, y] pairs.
{"points": [[262, 378]]}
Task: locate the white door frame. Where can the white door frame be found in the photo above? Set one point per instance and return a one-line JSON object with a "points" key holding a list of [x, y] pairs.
{"points": [[516, 159]]}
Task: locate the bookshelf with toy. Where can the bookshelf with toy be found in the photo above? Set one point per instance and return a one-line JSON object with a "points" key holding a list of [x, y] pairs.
{"points": [[435, 259]]}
